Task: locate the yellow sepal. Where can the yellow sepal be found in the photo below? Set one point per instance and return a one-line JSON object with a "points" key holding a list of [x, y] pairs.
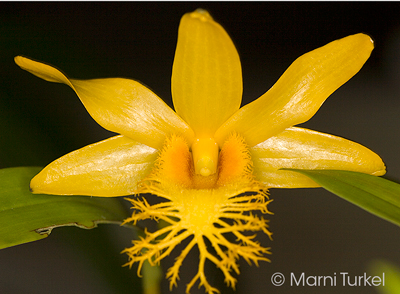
{"points": [[120, 105], [109, 168], [300, 91], [300, 148], [206, 74]]}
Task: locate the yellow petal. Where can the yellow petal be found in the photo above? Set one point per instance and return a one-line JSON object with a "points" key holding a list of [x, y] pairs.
{"points": [[112, 167], [306, 149], [301, 90], [206, 75], [120, 105]]}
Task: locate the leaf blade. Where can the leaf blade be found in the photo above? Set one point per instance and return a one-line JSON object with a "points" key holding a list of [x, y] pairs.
{"points": [[26, 217], [376, 195]]}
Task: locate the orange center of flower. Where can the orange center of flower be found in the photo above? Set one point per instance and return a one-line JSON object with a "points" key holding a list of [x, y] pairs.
{"points": [[204, 166]]}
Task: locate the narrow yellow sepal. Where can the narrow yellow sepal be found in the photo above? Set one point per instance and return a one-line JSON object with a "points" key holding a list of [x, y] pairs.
{"points": [[300, 148], [300, 91], [206, 74], [109, 168], [120, 105]]}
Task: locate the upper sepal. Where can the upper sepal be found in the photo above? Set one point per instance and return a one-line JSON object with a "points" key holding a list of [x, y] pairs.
{"points": [[206, 75]]}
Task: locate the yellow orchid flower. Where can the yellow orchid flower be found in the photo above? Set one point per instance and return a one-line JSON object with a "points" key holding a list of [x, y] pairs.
{"points": [[210, 161]]}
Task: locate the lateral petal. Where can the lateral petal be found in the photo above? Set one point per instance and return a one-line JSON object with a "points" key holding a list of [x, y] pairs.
{"points": [[120, 105], [109, 168], [206, 75], [300, 148], [300, 91]]}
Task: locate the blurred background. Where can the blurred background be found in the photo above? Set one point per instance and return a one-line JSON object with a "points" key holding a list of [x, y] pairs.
{"points": [[315, 232]]}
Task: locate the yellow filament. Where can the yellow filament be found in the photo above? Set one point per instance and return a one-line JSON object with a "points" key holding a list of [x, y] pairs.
{"points": [[205, 156]]}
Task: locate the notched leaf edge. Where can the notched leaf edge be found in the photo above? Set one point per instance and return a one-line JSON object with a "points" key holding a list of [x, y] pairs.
{"points": [[46, 231]]}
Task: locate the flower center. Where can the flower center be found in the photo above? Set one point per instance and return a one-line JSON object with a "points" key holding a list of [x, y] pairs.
{"points": [[205, 156], [202, 167]]}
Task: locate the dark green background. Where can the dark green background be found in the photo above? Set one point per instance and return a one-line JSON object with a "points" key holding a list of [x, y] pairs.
{"points": [[314, 231]]}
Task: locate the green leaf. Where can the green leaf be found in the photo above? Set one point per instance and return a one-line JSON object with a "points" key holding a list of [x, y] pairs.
{"points": [[376, 195], [152, 276], [391, 276], [26, 217]]}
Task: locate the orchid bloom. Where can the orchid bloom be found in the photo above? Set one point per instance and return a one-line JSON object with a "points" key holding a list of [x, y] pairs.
{"points": [[211, 161]]}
